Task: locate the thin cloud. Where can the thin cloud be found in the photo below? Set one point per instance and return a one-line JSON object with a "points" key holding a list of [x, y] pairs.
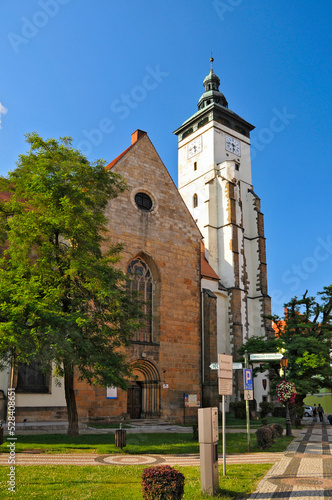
{"points": [[3, 111]]}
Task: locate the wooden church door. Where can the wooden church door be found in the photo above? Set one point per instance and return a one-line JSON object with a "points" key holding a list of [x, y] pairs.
{"points": [[134, 407]]}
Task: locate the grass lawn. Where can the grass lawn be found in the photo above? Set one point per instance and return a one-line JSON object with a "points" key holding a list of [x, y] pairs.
{"points": [[58, 482], [167, 443], [232, 422]]}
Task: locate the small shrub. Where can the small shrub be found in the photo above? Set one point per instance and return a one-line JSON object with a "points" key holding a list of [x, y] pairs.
{"points": [[264, 437], [264, 421], [274, 432], [195, 432], [162, 483], [279, 429], [266, 408]]}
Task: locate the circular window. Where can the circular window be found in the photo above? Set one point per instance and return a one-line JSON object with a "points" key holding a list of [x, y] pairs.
{"points": [[143, 201]]}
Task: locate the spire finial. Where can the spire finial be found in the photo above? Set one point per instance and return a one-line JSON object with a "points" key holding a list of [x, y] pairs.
{"points": [[211, 61]]}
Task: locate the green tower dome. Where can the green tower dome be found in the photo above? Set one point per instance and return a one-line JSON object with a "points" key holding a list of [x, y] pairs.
{"points": [[212, 94]]}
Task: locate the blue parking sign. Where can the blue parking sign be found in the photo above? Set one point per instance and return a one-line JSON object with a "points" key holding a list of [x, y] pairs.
{"points": [[247, 377]]}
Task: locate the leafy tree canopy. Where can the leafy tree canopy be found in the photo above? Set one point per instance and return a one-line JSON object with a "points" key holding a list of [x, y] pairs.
{"points": [[304, 336], [62, 299]]}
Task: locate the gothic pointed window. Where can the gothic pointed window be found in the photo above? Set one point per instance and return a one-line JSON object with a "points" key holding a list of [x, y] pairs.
{"points": [[195, 200], [141, 281]]}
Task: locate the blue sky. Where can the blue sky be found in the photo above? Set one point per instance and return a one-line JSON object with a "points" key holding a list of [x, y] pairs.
{"points": [[99, 70]]}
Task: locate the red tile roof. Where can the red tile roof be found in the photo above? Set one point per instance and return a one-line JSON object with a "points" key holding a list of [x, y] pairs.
{"points": [[135, 136], [110, 165], [206, 269]]}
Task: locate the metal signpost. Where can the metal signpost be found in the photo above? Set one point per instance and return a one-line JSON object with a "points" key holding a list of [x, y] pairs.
{"points": [[248, 394], [225, 383]]}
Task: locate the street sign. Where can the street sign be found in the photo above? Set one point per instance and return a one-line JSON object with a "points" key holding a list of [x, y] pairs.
{"points": [[225, 369], [225, 386], [225, 374], [236, 366], [247, 377], [268, 356], [248, 395]]}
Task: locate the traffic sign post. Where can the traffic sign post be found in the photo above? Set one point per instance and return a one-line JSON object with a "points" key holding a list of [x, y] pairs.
{"points": [[225, 385], [247, 376], [248, 393]]}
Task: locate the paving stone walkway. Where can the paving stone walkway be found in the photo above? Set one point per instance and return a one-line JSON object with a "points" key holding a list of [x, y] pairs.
{"points": [[305, 470], [31, 458]]}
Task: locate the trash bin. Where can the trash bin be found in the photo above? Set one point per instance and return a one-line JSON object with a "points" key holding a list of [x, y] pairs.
{"points": [[120, 438]]}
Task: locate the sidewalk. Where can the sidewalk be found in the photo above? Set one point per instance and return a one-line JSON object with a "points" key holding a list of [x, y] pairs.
{"points": [[31, 458], [305, 470]]}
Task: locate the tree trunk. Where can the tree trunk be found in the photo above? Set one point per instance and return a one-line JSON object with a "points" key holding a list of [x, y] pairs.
{"points": [[71, 400]]}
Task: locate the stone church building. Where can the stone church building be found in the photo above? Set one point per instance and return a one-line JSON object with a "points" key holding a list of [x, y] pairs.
{"points": [[197, 255]]}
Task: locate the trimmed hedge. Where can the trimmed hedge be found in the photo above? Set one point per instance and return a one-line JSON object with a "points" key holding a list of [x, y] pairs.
{"points": [[274, 432], [279, 429], [162, 482], [264, 437]]}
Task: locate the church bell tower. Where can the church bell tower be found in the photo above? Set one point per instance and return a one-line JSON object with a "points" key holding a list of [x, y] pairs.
{"points": [[214, 170]]}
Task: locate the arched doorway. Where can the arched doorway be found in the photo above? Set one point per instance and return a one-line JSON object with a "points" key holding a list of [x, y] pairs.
{"points": [[144, 393]]}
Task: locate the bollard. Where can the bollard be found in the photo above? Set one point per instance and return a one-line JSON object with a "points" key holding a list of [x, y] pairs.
{"points": [[120, 438]]}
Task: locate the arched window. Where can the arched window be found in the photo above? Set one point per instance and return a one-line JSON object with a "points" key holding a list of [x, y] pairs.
{"points": [[141, 281], [195, 200]]}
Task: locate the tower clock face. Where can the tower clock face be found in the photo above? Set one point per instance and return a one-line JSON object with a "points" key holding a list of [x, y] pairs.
{"points": [[194, 147], [232, 145]]}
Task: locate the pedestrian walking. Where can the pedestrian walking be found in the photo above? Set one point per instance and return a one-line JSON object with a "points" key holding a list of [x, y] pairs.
{"points": [[314, 413], [320, 413]]}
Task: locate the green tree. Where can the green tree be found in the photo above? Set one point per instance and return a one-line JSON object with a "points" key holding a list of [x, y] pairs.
{"points": [[304, 336], [63, 301]]}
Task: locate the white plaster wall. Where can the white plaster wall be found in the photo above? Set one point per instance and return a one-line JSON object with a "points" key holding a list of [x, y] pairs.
{"points": [[255, 318], [223, 340], [5, 380], [251, 251], [249, 213], [259, 391], [205, 159], [55, 398]]}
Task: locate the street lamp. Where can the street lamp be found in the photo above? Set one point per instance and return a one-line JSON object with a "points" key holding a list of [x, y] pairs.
{"points": [[283, 364]]}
